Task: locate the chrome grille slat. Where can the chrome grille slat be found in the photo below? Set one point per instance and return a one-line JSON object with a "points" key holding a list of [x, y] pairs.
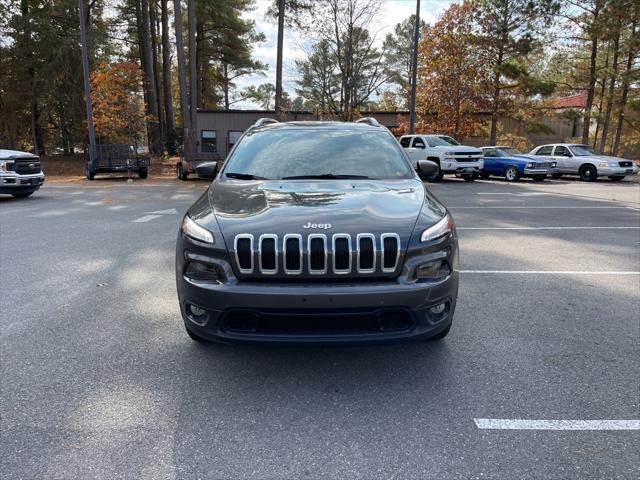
{"points": [[359, 238], [310, 255], [244, 236], [285, 255], [262, 254], [341, 254], [385, 254], [335, 238]]}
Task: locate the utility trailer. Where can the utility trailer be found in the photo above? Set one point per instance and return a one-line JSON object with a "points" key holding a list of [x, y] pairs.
{"points": [[111, 158]]}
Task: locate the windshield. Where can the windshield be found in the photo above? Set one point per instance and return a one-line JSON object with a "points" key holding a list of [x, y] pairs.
{"points": [[305, 152], [449, 140], [582, 150], [438, 142], [510, 151]]}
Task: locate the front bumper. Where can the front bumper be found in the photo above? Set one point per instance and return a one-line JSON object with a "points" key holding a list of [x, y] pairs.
{"points": [[540, 171], [341, 312], [453, 166], [16, 183], [617, 171]]}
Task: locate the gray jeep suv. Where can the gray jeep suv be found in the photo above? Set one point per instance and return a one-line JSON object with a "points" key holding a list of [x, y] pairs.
{"points": [[317, 232]]}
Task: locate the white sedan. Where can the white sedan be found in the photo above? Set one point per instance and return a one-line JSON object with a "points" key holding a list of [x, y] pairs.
{"points": [[582, 160]]}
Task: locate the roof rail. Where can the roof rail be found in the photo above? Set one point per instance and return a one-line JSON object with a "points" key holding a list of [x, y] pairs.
{"points": [[264, 121], [369, 121]]}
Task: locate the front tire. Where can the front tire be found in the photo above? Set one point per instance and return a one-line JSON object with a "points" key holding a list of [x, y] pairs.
{"points": [[556, 175], [588, 173], [143, 173], [512, 174], [180, 173], [437, 178], [539, 178], [22, 194], [470, 178]]}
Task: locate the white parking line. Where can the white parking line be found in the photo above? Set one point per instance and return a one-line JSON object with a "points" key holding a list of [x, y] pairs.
{"points": [[548, 228], [154, 215], [550, 272], [516, 424], [146, 218]]}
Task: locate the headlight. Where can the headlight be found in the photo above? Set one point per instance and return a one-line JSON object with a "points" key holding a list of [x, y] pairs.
{"points": [[3, 166], [553, 164], [191, 229], [449, 154], [531, 165], [440, 229]]}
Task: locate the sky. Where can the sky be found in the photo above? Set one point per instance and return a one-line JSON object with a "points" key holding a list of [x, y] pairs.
{"points": [[391, 13]]}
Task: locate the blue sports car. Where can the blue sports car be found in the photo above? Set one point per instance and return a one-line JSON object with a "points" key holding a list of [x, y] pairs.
{"points": [[510, 163]]}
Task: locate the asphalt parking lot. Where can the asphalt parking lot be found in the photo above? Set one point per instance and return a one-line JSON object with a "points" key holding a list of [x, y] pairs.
{"points": [[99, 380]]}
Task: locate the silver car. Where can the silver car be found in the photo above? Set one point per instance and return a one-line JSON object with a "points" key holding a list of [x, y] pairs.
{"points": [[582, 160]]}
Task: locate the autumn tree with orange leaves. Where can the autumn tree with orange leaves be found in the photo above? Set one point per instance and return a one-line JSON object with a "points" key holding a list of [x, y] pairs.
{"points": [[118, 104], [452, 84]]}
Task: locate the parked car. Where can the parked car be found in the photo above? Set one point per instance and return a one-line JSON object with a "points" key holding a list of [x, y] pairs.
{"points": [[20, 173], [298, 240], [450, 156], [510, 163], [204, 165], [582, 160]]}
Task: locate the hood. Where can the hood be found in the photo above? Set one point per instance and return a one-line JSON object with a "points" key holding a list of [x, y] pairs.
{"points": [[340, 206], [460, 148], [603, 158], [12, 154]]}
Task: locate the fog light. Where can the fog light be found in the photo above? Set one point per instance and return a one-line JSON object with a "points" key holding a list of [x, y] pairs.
{"points": [[202, 272], [438, 309], [433, 270], [196, 311]]}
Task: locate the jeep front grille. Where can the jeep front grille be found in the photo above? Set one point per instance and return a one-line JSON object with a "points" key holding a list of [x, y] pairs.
{"points": [[317, 254]]}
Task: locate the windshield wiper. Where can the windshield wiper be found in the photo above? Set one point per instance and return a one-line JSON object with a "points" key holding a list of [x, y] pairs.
{"points": [[243, 176], [324, 176]]}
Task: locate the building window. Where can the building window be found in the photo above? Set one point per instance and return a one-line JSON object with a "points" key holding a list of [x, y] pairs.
{"points": [[208, 138], [233, 137]]}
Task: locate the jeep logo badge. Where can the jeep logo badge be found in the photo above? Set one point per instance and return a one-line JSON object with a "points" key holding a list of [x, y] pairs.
{"points": [[322, 226]]}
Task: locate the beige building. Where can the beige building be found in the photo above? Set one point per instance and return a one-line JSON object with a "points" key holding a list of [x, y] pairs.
{"points": [[219, 130]]}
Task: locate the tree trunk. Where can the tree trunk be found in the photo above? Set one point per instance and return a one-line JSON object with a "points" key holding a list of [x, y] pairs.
{"points": [[278, 101], [182, 78], [145, 91], [166, 78], [153, 124], [199, 67], [153, 18], [612, 84], [602, 90], [586, 121], [193, 73], [225, 86], [625, 84]]}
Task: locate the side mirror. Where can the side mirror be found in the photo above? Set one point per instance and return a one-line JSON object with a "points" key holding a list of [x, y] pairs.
{"points": [[207, 169], [427, 168]]}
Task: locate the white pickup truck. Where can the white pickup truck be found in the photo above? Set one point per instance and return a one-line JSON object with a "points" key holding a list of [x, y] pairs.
{"points": [[444, 150]]}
